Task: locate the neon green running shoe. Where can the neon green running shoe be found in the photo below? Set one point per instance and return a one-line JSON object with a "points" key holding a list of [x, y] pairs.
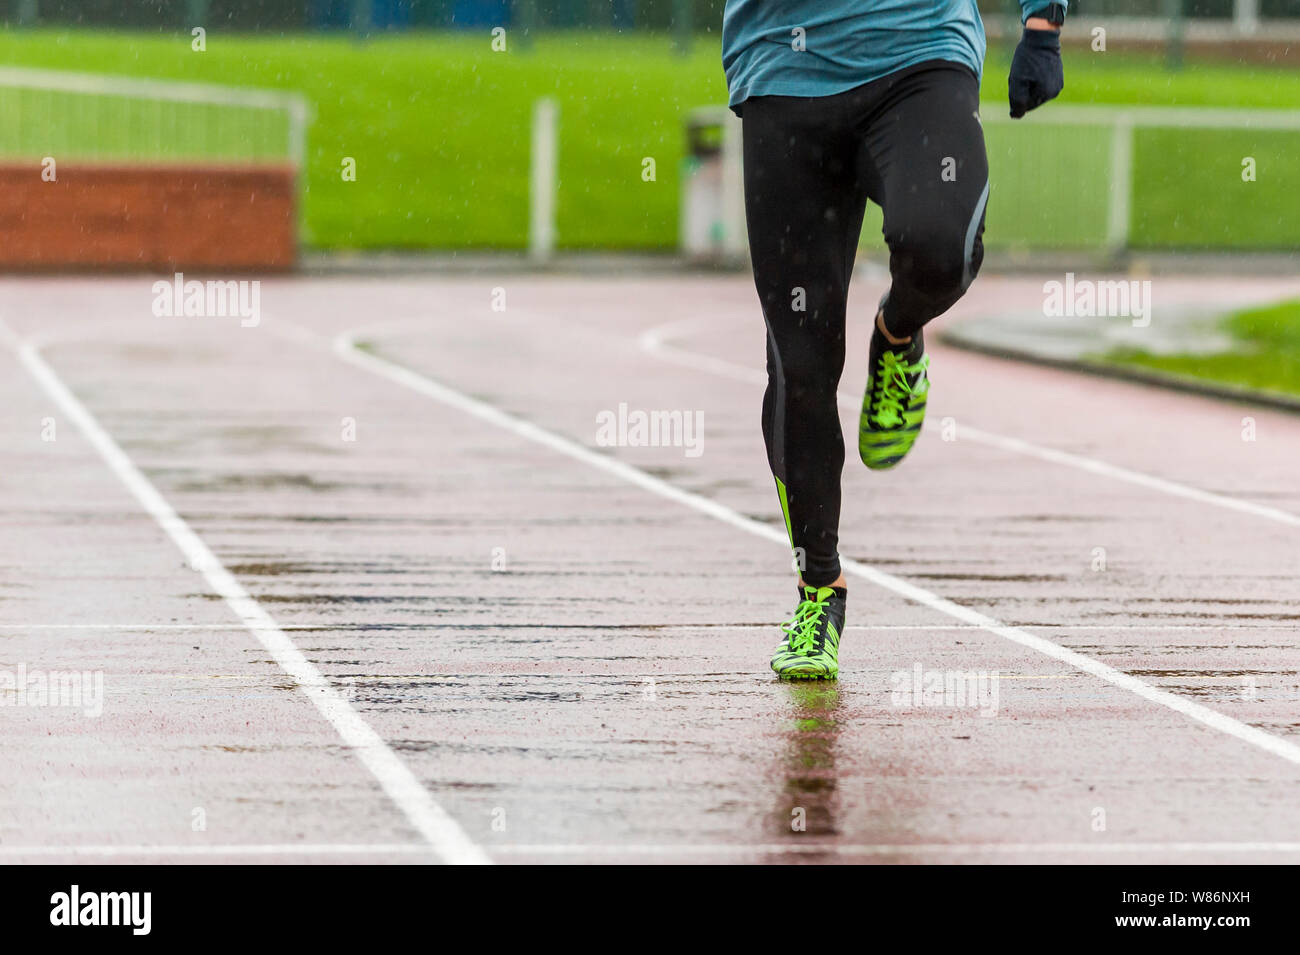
{"points": [[811, 649], [894, 405]]}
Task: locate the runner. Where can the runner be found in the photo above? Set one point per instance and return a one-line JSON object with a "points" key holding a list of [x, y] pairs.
{"points": [[845, 101]]}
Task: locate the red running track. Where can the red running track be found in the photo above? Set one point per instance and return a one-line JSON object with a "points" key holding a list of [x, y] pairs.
{"points": [[439, 621]]}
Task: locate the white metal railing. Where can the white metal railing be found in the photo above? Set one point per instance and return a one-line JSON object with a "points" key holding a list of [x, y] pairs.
{"points": [[1123, 121], [295, 107]]}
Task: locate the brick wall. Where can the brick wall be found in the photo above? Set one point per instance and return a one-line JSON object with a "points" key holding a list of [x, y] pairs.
{"points": [[160, 217]]}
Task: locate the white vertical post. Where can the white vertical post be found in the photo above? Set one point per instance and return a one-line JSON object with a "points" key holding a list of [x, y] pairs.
{"points": [[1245, 16], [542, 171], [735, 240], [1121, 183], [299, 118]]}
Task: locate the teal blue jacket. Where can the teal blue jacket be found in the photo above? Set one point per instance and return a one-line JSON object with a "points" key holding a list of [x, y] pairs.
{"points": [[823, 47]]}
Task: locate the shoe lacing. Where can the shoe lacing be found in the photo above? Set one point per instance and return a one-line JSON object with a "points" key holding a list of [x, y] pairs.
{"points": [[893, 388], [804, 627]]}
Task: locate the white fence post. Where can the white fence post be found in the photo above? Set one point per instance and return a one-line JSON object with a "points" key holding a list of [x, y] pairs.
{"points": [[1121, 183], [1245, 16], [542, 171]]}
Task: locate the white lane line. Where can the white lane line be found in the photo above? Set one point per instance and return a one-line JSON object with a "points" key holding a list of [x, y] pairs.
{"points": [[332, 627], [1103, 469], [429, 818], [345, 348], [267, 849], [656, 849], [655, 342], [888, 849]]}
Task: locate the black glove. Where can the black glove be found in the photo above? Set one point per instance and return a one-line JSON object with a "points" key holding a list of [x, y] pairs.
{"points": [[1036, 71]]}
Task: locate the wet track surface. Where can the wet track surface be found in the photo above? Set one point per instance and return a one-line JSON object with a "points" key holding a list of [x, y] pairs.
{"points": [[573, 665]]}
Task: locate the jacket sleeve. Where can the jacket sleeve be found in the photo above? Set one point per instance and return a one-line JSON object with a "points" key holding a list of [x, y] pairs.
{"points": [[1029, 7]]}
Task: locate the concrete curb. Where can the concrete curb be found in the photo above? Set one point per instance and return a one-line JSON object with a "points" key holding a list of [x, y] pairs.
{"points": [[1193, 386], [322, 262]]}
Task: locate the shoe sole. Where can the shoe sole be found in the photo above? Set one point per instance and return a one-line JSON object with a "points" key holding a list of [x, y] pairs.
{"points": [[809, 676]]}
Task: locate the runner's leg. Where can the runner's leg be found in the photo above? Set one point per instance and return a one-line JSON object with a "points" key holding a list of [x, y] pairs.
{"points": [[925, 152], [804, 207]]}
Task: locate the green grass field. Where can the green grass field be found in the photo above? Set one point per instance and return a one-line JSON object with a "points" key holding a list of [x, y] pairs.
{"points": [[438, 125], [1265, 355]]}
